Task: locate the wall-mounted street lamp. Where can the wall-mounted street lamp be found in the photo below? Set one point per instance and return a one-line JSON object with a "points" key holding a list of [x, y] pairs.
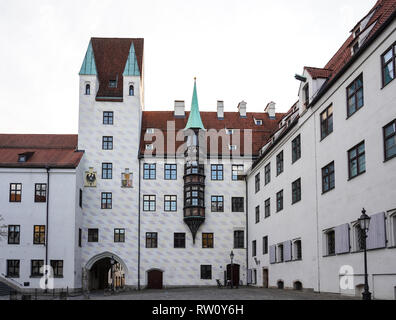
{"points": [[364, 222]]}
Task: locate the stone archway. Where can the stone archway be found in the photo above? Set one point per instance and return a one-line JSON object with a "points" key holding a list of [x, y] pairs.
{"points": [[98, 273]]}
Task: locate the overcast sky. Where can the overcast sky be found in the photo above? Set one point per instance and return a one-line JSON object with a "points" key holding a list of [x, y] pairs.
{"points": [[238, 50]]}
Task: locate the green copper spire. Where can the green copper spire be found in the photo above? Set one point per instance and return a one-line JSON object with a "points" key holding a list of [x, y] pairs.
{"points": [[89, 67], [194, 120]]}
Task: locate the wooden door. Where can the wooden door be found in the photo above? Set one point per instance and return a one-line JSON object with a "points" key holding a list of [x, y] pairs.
{"points": [[265, 278], [154, 279], [234, 271]]}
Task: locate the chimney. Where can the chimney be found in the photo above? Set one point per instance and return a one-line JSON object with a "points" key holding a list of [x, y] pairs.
{"points": [[179, 109], [270, 109], [242, 109], [220, 110]]}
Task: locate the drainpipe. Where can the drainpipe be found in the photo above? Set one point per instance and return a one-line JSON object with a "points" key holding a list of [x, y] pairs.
{"points": [[47, 226], [139, 226], [247, 232]]}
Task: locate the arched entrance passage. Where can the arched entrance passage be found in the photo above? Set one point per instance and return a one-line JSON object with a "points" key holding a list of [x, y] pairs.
{"points": [[101, 275], [154, 279]]}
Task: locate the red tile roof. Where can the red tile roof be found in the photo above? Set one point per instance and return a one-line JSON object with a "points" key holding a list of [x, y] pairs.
{"points": [[55, 151], [232, 120], [111, 55], [383, 11]]}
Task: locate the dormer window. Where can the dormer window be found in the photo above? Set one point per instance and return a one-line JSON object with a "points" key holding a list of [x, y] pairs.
{"points": [[22, 158], [131, 90], [306, 94], [113, 84], [150, 131], [355, 47], [232, 147], [88, 89], [149, 147], [357, 31], [258, 122], [229, 131]]}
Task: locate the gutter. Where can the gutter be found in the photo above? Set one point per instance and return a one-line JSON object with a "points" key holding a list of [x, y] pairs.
{"points": [[47, 226], [139, 157], [247, 231]]}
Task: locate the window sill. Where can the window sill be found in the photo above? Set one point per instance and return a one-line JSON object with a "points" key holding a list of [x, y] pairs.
{"points": [[58, 277], [351, 115], [293, 203], [329, 255], [383, 86], [390, 158], [361, 173], [325, 192], [36, 277]]}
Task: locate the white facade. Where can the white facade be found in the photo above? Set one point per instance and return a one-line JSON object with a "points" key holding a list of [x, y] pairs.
{"points": [[318, 212]]}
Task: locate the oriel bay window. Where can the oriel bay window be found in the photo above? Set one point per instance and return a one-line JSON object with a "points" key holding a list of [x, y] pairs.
{"points": [[388, 65], [357, 160], [326, 122], [328, 178], [151, 240], [15, 192], [217, 204], [107, 200], [36, 268], [39, 235], [40, 192], [194, 196], [355, 98], [239, 239], [390, 140], [207, 240], [14, 234]]}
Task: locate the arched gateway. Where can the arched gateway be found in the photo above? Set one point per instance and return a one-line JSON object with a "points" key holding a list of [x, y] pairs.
{"points": [[99, 273]]}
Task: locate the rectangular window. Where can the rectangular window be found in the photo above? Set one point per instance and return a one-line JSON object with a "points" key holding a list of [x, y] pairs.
{"points": [[237, 172], [280, 253], [36, 266], [57, 267], [79, 237], [40, 192], [179, 240], [149, 171], [239, 239], [326, 122], [267, 175], [108, 117], [217, 171], [388, 65], [357, 160], [13, 268], [279, 201], [80, 199], [217, 204], [15, 192], [170, 203], [296, 191], [149, 203], [257, 182], [265, 245], [170, 172], [238, 204], [107, 171], [390, 140], [39, 235], [119, 235], [330, 241], [107, 143], [267, 206], [279, 163], [297, 250], [254, 248], [107, 200], [328, 178], [257, 214], [14, 234], [306, 95], [296, 149], [93, 235], [355, 98], [151, 240], [206, 272], [207, 240]]}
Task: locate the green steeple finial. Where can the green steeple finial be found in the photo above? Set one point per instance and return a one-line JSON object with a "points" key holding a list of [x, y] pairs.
{"points": [[194, 120]]}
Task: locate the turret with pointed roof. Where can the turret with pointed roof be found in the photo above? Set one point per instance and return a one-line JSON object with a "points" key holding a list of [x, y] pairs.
{"points": [[194, 120]]}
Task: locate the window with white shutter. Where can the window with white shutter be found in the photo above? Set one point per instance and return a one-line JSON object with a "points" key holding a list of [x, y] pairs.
{"points": [[376, 237]]}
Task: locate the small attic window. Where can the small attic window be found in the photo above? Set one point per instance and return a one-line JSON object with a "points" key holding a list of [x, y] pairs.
{"points": [[149, 147], [258, 122], [22, 158], [131, 90], [113, 84], [356, 47], [232, 147], [150, 131], [88, 89], [357, 31], [229, 131], [306, 94]]}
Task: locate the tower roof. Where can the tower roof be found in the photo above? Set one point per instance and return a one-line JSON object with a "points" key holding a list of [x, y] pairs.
{"points": [[194, 120]]}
